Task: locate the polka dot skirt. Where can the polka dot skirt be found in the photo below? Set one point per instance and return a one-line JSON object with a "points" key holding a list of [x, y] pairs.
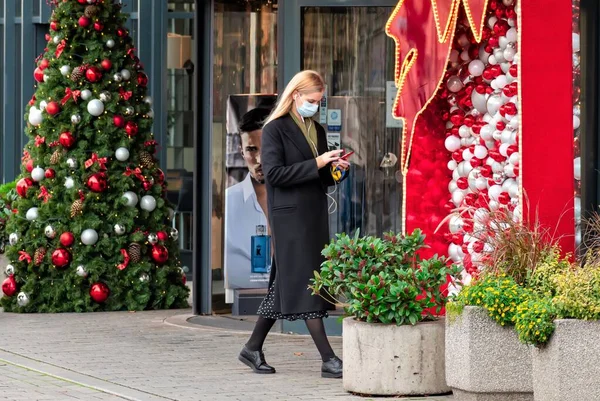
{"points": [[267, 310]]}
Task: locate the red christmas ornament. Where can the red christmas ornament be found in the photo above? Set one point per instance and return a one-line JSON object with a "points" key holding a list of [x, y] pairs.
{"points": [[184, 279], [50, 173], [38, 74], [118, 121], [131, 128], [121, 32], [9, 286], [67, 140], [84, 21], [61, 258], [162, 236], [106, 64], [160, 176], [29, 165], [44, 63], [67, 239], [82, 1], [98, 26], [160, 254], [142, 79], [147, 185], [97, 182], [53, 108], [93, 74], [99, 292], [23, 185], [54, 25], [504, 198]]}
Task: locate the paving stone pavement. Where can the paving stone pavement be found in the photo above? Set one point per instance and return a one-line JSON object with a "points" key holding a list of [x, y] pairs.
{"points": [[151, 356]]}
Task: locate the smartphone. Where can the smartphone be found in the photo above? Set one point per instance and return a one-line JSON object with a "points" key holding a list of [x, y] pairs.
{"points": [[345, 156]]}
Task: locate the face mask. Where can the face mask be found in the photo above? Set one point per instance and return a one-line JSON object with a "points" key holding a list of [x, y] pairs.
{"points": [[307, 109]]}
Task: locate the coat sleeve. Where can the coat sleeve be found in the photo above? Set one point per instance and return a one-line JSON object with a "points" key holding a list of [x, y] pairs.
{"points": [[277, 173]]}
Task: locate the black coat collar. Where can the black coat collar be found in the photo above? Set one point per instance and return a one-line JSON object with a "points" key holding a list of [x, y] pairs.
{"points": [[296, 136]]}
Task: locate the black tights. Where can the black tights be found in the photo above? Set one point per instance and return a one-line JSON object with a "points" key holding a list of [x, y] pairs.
{"points": [[315, 327]]}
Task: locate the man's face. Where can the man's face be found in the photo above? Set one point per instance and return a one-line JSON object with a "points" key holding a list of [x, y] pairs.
{"points": [[251, 153]]}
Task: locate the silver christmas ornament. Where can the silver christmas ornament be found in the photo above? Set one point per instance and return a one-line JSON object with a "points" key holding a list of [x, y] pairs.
{"points": [[72, 163], [22, 299], [86, 94], [131, 198], [75, 118], [110, 43], [126, 75], [13, 238], [65, 70], [148, 99], [89, 236], [118, 77], [144, 277], [122, 154], [81, 271], [105, 96], [119, 229], [9, 270], [152, 238], [129, 110], [56, 39], [174, 234], [50, 232], [148, 203]]}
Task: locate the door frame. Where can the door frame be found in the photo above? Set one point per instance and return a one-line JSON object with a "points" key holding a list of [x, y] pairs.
{"points": [[289, 31]]}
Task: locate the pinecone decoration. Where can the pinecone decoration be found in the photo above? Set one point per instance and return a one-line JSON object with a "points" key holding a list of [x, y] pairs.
{"points": [[135, 252], [38, 256], [55, 158], [146, 160], [76, 207], [78, 73], [90, 11]]}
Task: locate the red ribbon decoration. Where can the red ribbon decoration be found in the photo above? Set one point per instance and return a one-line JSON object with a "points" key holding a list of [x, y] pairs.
{"points": [[54, 144], [44, 195], [150, 143], [75, 94], [24, 256], [39, 140], [60, 48], [126, 260], [131, 52], [32, 101], [101, 161], [81, 195], [137, 172], [125, 95], [26, 156]]}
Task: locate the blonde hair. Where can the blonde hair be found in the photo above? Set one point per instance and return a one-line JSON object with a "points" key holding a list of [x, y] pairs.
{"points": [[305, 82]]}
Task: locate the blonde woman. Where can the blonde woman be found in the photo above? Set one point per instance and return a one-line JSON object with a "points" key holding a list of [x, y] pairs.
{"points": [[297, 168]]}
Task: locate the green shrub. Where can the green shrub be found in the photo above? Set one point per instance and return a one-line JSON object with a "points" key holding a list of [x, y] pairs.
{"points": [[535, 320], [383, 279]]}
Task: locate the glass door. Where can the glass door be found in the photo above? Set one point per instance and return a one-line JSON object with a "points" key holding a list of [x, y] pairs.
{"points": [[345, 41]]}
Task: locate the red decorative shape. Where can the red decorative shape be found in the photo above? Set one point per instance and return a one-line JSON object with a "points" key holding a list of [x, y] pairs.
{"points": [[118, 121], [131, 128], [142, 79], [61, 258], [121, 32], [53, 108], [162, 236], [126, 260], [38, 74], [44, 195], [99, 292], [125, 95], [84, 21], [93, 74], [50, 173], [29, 165], [97, 182], [95, 159], [23, 186], [44, 63], [67, 239], [106, 64], [67, 140], [60, 48], [98, 26], [74, 94], [54, 25], [9, 286], [159, 254]]}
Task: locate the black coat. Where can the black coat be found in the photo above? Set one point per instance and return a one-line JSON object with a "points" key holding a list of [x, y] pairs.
{"points": [[298, 213]]}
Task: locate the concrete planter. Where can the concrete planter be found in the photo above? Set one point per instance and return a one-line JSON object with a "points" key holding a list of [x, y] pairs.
{"points": [[381, 359], [485, 361], [568, 368]]}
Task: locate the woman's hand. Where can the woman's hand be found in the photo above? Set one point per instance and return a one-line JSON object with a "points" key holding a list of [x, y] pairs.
{"points": [[329, 157], [341, 163]]}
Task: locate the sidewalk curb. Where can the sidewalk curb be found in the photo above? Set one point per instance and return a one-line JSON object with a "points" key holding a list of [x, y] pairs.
{"points": [[80, 379]]}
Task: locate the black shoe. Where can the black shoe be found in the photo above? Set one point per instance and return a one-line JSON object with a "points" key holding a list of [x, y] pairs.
{"points": [[256, 361], [333, 368]]}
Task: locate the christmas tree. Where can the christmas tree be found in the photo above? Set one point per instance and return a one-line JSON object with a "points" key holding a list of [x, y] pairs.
{"points": [[91, 228]]}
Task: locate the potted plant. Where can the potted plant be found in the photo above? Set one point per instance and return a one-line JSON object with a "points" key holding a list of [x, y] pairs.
{"points": [[393, 345], [484, 358], [7, 196]]}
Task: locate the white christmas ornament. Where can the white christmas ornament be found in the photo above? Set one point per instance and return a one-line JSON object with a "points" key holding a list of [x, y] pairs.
{"points": [[32, 214], [89, 236], [75, 118], [81, 271], [105, 96], [174, 234], [38, 174], [110, 43], [86, 94], [65, 70], [131, 198], [171, 213], [119, 229], [144, 277], [50, 232], [13, 238], [35, 116], [22, 299], [43, 105], [95, 107], [476, 67], [148, 100], [72, 163], [152, 238], [118, 77], [9, 270], [69, 183], [126, 74], [122, 154], [148, 203], [56, 39]]}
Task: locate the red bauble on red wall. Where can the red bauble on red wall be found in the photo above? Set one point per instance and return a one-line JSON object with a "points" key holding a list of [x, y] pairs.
{"points": [[160, 254], [99, 292]]}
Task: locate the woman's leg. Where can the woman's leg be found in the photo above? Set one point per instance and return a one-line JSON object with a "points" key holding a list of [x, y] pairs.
{"points": [[316, 327], [259, 334]]}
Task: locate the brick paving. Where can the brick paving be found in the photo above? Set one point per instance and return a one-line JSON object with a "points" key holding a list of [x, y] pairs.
{"points": [[151, 356]]}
